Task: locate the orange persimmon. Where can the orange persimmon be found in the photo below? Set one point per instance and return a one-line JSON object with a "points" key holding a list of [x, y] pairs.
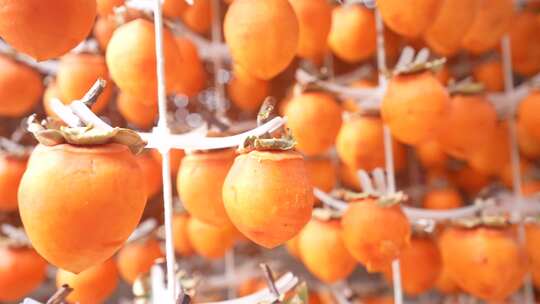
{"points": [[314, 120], [254, 196], [20, 88], [409, 18], [247, 92], [525, 43], [198, 16], [210, 241], [529, 114], [102, 185], [490, 74], [34, 26], [106, 25], [315, 20], [174, 8], [349, 178], [292, 247], [93, 285], [431, 155], [532, 237], [414, 106], [182, 244], [445, 284], [493, 153], [136, 258], [262, 35], [51, 91], [175, 159], [506, 175], [375, 235], [199, 185], [22, 270], [11, 171], [106, 7], [192, 78], [250, 286], [441, 199], [151, 170], [135, 111], [332, 264], [321, 172], [352, 36], [528, 145], [470, 180]]}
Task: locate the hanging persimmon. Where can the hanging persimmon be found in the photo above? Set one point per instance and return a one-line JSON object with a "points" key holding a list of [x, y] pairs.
{"points": [[175, 159], [77, 72], [352, 36], [470, 180], [528, 145], [182, 244], [442, 199], [93, 285], [332, 264], [20, 88], [532, 237], [409, 18], [192, 78], [321, 113], [490, 74], [210, 241], [493, 153], [174, 8], [431, 155], [250, 286], [348, 177], [22, 270], [506, 175], [151, 170], [528, 113], [198, 16], [200, 181], [262, 35], [247, 92], [106, 7], [106, 25], [322, 172], [33, 26], [292, 247], [445, 284], [136, 258], [315, 20], [525, 44], [137, 112], [11, 171]]}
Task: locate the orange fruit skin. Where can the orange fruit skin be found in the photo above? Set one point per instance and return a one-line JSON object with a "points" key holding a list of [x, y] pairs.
{"points": [[529, 114], [454, 18], [475, 257], [250, 286], [103, 30], [263, 35], [442, 199], [332, 264], [315, 20], [506, 175], [248, 93], [20, 88], [493, 153], [198, 16], [420, 265], [174, 8], [445, 284], [151, 170], [322, 114], [470, 180], [131, 58], [106, 7], [525, 43], [102, 199], [33, 26], [199, 185], [322, 173], [211, 242], [76, 75], [375, 235], [414, 106], [360, 145], [378, 300], [409, 18], [51, 91], [21, 272], [137, 258], [175, 159], [490, 74], [182, 245], [11, 172], [431, 154], [528, 145], [93, 285], [532, 236], [352, 37], [137, 112], [348, 177], [293, 247], [470, 122], [492, 20], [268, 189], [192, 78], [530, 188]]}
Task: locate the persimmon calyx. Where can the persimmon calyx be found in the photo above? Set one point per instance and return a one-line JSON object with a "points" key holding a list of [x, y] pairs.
{"points": [[491, 221], [51, 132], [299, 295], [326, 214], [465, 87], [383, 200], [267, 143], [417, 67]]}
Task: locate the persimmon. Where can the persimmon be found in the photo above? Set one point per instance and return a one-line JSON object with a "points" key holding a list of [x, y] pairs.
{"points": [[174, 8], [474, 257], [445, 33], [530, 188], [529, 114], [77, 73], [254, 198], [360, 144], [182, 244], [524, 43], [431, 154], [322, 173], [175, 158], [32, 26], [192, 78], [198, 16], [262, 35], [378, 300], [332, 264], [11, 171], [445, 284], [151, 170], [532, 237], [20, 88], [414, 106], [490, 74], [210, 241], [22, 270], [199, 185], [469, 180], [103, 185], [106, 7], [375, 235], [93, 285], [51, 92], [315, 20], [506, 175], [137, 112], [131, 58], [352, 36], [441, 199], [106, 25], [293, 247], [351, 105], [321, 113], [420, 266], [491, 155], [349, 178], [528, 145], [247, 92], [470, 121], [410, 18], [250, 286], [491, 21], [443, 75], [136, 258]]}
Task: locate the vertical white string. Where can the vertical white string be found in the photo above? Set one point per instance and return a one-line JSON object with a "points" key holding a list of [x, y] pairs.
{"points": [[388, 155], [162, 130], [514, 154]]}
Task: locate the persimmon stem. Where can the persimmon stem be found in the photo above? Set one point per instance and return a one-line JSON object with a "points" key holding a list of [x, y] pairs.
{"points": [[60, 295], [92, 95], [270, 280], [265, 111]]}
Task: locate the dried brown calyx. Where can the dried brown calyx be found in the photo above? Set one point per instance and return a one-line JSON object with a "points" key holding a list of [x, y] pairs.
{"points": [[326, 214], [383, 199], [465, 87], [489, 221]]}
